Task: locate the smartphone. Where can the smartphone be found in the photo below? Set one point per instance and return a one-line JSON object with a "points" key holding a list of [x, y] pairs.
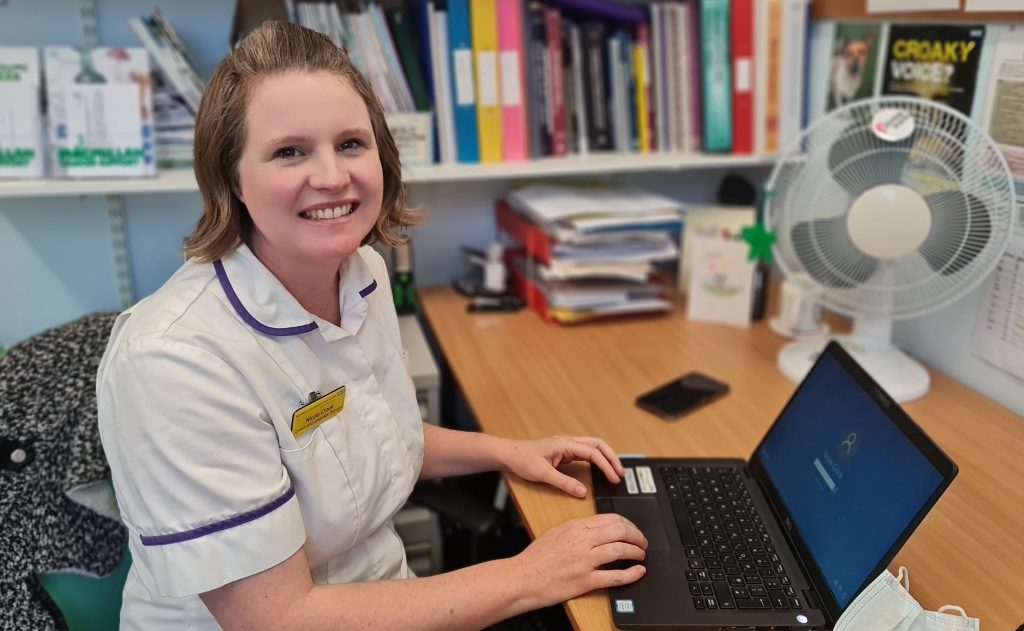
{"points": [[682, 395]]}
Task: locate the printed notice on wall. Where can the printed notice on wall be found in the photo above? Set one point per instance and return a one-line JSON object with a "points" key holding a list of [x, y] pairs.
{"points": [[999, 322], [900, 6], [1004, 103]]}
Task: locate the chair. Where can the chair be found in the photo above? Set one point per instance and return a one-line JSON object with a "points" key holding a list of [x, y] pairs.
{"points": [[50, 453]]}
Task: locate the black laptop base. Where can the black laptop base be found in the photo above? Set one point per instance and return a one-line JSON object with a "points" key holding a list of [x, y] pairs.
{"points": [[725, 565]]}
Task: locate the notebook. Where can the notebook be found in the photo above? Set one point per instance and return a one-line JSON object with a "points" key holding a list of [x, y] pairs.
{"points": [[789, 538]]}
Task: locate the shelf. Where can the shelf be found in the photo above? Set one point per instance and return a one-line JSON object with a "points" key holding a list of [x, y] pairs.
{"points": [[583, 165], [183, 180], [168, 181]]}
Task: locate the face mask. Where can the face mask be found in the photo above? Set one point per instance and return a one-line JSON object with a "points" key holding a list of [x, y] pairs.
{"points": [[886, 605]]}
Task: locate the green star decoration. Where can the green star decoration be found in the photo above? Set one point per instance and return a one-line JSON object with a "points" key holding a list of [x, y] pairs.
{"points": [[760, 241]]}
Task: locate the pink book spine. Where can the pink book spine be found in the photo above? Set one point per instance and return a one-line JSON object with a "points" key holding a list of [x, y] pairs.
{"points": [[510, 62]]}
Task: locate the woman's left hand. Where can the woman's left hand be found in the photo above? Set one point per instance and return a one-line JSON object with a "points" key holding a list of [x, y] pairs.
{"points": [[539, 460]]}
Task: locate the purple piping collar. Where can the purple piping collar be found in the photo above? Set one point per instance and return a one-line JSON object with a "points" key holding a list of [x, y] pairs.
{"points": [[230, 522], [366, 291], [225, 284]]}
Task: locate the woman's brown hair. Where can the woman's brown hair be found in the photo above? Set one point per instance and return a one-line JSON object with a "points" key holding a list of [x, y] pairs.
{"points": [[272, 48]]}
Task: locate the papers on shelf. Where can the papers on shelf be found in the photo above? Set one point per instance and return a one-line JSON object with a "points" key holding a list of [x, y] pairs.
{"points": [[568, 212]]}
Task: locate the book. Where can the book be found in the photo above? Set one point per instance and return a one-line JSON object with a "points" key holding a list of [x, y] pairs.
{"points": [[444, 114], [510, 63], [938, 62], [406, 44], [21, 133], [463, 90], [484, 32], [742, 50], [100, 110], [556, 110], [794, 49], [716, 75], [536, 72], [598, 90]]}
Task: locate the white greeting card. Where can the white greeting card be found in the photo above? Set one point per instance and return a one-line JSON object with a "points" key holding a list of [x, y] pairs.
{"points": [[721, 281]]}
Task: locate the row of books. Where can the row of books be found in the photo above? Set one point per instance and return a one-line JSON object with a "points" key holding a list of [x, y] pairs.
{"points": [[107, 115], [510, 80], [576, 254]]}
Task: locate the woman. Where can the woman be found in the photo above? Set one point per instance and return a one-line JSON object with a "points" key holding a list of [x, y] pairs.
{"points": [[260, 425]]}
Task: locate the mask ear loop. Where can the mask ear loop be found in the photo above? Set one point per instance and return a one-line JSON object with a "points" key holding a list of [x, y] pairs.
{"points": [[903, 576], [956, 608]]}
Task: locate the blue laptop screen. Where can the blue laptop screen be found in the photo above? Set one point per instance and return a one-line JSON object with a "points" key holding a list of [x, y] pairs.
{"points": [[849, 477]]}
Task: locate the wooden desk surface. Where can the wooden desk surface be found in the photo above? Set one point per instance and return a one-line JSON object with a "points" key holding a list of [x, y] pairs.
{"points": [[527, 379]]}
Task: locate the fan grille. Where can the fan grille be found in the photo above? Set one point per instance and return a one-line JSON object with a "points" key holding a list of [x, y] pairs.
{"points": [[947, 160]]}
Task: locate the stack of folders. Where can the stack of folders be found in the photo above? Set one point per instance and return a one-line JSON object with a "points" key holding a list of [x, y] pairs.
{"points": [[177, 91], [590, 252]]}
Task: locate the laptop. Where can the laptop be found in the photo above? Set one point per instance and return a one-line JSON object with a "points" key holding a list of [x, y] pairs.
{"points": [[789, 538]]}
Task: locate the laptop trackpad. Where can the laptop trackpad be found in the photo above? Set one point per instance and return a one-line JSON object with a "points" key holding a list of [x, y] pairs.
{"points": [[644, 512]]}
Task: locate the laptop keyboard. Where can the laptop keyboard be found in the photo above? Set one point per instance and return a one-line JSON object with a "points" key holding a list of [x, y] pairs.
{"points": [[731, 560]]}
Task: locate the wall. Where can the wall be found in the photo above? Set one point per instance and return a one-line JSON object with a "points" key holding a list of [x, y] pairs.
{"points": [[941, 339]]}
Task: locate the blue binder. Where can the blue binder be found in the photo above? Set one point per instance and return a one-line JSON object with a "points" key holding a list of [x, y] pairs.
{"points": [[467, 146]]}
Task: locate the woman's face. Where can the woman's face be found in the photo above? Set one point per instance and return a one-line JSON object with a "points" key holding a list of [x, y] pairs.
{"points": [[309, 172]]}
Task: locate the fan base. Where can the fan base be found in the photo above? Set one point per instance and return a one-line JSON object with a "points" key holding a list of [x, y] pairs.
{"points": [[901, 376]]}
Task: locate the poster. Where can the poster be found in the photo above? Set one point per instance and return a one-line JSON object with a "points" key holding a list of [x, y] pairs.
{"points": [[938, 62], [854, 63], [999, 322]]}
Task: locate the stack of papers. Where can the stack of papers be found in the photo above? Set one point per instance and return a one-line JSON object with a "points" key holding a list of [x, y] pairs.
{"points": [[608, 245]]}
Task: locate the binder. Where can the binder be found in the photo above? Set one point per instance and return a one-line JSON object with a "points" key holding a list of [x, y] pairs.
{"points": [[742, 20], [716, 75], [463, 91], [513, 89], [483, 22]]}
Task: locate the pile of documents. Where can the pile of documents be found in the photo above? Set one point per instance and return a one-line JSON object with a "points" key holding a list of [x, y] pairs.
{"points": [[608, 252]]}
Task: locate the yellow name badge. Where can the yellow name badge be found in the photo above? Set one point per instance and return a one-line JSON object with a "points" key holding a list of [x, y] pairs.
{"points": [[315, 412]]}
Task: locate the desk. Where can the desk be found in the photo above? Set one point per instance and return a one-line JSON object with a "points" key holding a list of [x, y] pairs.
{"points": [[527, 379]]}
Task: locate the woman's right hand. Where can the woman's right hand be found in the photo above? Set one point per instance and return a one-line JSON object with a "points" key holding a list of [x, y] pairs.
{"points": [[566, 561]]}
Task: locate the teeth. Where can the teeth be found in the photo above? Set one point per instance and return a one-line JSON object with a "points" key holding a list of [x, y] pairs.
{"points": [[329, 213]]}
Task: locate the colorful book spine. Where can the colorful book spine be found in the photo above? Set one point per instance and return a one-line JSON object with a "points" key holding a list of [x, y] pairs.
{"points": [[694, 89], [596, 85], [774, 79], [463, 90], [642, 87], [556, 83], [742, 21], [484, 30], [536, 69], [513, 109], [716, 75]]}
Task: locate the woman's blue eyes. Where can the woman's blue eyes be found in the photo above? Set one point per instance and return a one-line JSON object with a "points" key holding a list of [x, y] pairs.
{"points": [[293, 152]]}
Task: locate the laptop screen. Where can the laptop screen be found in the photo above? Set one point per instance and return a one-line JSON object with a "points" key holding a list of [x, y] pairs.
{"points": [[850, 478]]}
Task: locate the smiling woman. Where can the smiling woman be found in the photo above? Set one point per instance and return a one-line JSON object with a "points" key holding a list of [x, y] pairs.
{"points": [[250, 500]]}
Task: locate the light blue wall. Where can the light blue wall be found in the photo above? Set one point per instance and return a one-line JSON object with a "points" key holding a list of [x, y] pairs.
{"points": [[941, 339]]}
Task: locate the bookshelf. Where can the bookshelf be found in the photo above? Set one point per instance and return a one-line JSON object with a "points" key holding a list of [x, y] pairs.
{"points": [[183, 180]]}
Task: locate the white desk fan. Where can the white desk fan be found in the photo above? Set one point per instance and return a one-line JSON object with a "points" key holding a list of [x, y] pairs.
{"points": [[888, 208]]}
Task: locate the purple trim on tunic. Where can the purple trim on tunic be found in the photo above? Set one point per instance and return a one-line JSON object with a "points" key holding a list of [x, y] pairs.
{"points": [[230, 522], [366, 291], [225, 284]]}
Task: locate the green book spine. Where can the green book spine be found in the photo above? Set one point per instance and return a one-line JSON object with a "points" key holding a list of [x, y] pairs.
{"points": [[407, 46], [716, 75]]}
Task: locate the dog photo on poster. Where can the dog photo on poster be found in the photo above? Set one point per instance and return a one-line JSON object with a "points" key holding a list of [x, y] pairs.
{"points": [[854, 63], [938, 62]]}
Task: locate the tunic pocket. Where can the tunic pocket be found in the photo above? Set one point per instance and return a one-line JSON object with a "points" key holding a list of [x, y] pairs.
{"points": [[327, 500]]}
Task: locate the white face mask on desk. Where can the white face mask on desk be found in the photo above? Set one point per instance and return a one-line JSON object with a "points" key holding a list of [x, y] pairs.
{"points": [[886, 605]]}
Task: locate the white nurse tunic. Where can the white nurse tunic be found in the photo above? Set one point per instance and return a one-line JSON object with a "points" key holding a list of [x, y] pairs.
{"points": [[196, 393]]}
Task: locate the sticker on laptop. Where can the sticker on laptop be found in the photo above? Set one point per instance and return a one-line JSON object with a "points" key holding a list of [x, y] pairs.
{"points": [[646, 479], [624, 605], [630, 481]]}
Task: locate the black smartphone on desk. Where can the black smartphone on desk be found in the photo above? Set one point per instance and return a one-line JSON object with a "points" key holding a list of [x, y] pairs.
{"points": [[682, 395]]}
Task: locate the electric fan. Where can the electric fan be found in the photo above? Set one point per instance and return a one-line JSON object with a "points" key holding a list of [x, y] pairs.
{"points": [[889, 208]]}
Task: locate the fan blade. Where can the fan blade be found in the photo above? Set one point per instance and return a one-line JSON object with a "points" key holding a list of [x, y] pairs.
{"points": [[961, 228], [828, 255], [859, 159]]}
